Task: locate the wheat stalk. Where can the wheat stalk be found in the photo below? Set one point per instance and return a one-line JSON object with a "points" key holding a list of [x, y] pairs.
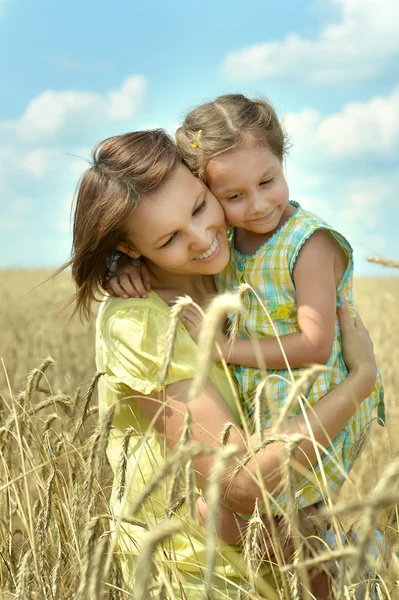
{"points": [[299, 388], [212, 495], [220, 307], [174, 319], [145, 563]]}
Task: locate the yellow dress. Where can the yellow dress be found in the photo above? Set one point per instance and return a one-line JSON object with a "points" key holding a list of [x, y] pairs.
{"points": [[269, 272], [130, 345]]}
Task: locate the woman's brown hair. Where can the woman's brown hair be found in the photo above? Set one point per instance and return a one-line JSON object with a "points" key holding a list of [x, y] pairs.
{"points": [[125, 169], [229, 122]]}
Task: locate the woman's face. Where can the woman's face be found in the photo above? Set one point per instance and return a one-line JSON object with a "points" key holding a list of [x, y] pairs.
{"points": [[180, 228]]}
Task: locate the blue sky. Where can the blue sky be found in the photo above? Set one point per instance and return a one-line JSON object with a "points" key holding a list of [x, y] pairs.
{"points": [[75, 72]]}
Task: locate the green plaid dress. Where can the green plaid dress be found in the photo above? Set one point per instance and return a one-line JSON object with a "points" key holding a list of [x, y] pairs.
{"points": [[269, 273]]}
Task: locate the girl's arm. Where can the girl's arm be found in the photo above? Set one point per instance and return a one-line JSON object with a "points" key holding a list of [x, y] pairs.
{"points": [[315, 283], [210, 413]]}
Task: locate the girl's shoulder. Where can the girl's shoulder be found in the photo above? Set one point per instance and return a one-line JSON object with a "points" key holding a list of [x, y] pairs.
{"points": [[302, 226], [306, 220], [304, 223]]}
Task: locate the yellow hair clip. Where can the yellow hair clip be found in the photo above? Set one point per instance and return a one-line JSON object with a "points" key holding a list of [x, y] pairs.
{"points": [[196, 139]]}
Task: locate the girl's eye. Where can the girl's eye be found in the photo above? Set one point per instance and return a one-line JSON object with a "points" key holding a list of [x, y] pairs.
{"points": [[199, 208], [266, 181], [233, 197], [170, 240]]}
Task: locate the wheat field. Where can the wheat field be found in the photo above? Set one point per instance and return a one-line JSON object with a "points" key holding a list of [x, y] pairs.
{"points": [[54, 480]]}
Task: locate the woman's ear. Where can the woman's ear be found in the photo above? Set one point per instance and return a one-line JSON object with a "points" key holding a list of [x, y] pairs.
{"points": [[126, 249]]}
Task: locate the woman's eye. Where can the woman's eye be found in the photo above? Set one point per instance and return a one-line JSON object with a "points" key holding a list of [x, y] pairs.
{"points": [[170, 240], [199, 208], [266, 181]]}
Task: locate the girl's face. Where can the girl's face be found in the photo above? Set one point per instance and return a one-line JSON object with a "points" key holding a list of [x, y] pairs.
{"points": [[250, 185], [180, 228]]}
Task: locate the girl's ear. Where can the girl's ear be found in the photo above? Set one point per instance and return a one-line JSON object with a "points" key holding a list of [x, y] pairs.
{"points": [[126, 249]]}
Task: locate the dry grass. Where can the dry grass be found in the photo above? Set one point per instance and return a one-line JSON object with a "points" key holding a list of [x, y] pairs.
{"points": [[54, 482], [33, 327]]}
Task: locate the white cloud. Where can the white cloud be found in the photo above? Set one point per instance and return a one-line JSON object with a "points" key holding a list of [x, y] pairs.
{"points": [[13, 217], [123, 103], [362, 204], [36, 162], [360, 207], [344, 167], [52, 114], [359, 130], [32, 164], [361, 45], [22, 206], [65, 62], [40, 164]]}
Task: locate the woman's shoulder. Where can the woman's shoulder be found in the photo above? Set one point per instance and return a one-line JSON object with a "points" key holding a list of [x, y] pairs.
{"points": [[133, 337], [133, 307], [132, 314]]}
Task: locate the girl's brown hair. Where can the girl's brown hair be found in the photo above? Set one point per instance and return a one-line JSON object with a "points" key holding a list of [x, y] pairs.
{"points": [[226, 123], [125, 169]]}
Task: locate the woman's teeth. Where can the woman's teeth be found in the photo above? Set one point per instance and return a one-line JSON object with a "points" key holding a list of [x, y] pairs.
{"points": [[210, 251]]}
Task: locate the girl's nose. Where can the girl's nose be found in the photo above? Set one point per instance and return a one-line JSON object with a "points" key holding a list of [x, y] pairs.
{"points": [[258, 202]]}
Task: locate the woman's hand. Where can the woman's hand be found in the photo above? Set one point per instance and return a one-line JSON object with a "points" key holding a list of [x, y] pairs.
{"points": [[357, 347], [129, 281]]}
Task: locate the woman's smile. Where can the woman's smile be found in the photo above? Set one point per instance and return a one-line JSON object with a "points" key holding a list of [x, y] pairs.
{"points": [[211, 253]]}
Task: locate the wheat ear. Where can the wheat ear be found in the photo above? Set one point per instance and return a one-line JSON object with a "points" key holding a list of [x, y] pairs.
{"points": [[385, 262], [220, 307], [175, 315], [298, 389]]}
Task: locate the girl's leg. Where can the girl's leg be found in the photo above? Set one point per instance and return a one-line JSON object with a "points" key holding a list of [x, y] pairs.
{"points": [[320, 585], [231, 528]]}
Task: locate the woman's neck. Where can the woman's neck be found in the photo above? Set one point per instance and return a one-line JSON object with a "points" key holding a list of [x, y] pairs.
{"points": [[199, 287]]}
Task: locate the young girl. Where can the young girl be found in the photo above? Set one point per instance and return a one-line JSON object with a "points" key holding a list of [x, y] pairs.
{"points": [[296, 265]]}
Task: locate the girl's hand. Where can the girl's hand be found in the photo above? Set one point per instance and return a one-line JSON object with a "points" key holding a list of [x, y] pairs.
{"points": [[192, 319], [129, 281], [357, 347]]}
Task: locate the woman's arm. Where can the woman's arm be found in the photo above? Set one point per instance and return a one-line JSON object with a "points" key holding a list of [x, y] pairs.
{"points": [[314, 279], [326, 418], [210, 413]]}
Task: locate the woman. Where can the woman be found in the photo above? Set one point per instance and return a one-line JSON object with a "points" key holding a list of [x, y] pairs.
{"points": [[138, 197]]}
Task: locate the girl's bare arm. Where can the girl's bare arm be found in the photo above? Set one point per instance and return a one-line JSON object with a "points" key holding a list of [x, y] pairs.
{"points": [[315, 283]]}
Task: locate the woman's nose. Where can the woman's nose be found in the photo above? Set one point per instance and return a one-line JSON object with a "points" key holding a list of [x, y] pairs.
{"points": [[200, 239]]}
